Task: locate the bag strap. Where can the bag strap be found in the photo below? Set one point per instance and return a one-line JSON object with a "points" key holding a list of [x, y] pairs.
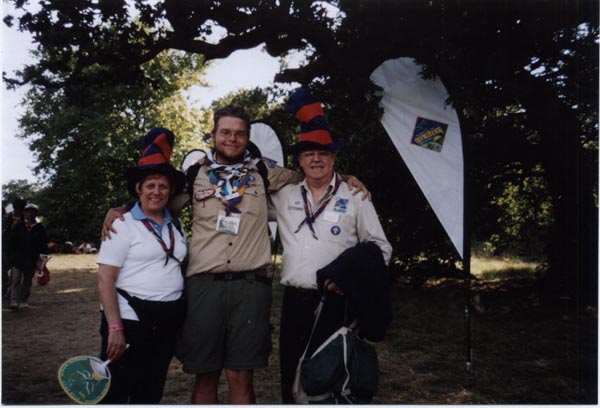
{"points": [[125, 294], [317, 315]]}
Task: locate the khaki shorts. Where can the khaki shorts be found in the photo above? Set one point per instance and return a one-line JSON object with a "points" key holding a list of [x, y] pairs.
{"points": [[226, 325]]}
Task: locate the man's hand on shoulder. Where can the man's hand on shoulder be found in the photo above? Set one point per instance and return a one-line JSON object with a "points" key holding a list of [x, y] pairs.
{"points": [[111, 216], [356, 186]]}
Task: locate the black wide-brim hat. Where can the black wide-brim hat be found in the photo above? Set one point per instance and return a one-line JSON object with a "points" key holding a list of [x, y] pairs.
{"points": [[157, 145]]}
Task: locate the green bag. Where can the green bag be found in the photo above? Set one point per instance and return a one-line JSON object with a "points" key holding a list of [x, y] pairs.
{"points": [[344, 369]]}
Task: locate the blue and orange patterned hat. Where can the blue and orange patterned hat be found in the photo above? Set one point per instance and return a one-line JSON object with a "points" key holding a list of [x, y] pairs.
{"points": [[314, 133], [157, 146]]}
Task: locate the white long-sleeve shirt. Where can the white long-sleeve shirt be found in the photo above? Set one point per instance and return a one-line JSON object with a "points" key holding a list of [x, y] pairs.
{"points": [[345, 221]]}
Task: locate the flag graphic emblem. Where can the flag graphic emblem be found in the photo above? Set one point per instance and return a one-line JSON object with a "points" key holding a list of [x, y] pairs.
{"points": [[429, 134]]}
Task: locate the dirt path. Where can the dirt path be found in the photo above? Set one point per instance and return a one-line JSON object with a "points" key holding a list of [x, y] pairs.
{"points": [[63, 322], [523, 353]]}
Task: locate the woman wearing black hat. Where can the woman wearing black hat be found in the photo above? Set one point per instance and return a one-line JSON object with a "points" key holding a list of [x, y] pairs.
{"points": [[140, 280]]}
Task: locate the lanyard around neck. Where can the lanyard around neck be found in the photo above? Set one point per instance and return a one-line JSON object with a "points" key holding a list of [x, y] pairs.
{"points": [[310, 216], [168, 250]]}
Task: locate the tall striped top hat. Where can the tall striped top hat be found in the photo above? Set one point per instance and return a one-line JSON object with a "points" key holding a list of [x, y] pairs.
{"points": [[314, 134], [157, 146]]}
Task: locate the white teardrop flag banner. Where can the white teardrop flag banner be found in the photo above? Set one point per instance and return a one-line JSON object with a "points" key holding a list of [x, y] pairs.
{"points": [[426, 133], [266, 139]]}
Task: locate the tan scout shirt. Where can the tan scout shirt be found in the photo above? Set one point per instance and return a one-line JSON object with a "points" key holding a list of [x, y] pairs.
{"points": [[212, 251]]}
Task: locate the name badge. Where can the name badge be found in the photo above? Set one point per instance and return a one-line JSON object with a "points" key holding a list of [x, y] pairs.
{"points": [[228, 224], [331, 216], [341, 205]]}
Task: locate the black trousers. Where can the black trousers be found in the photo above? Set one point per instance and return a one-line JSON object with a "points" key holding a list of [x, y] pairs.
{"points": [[138, 376], [297, 318]]}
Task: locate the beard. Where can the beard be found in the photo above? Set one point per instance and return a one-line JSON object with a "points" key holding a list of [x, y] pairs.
{"points": [[229, 159]]}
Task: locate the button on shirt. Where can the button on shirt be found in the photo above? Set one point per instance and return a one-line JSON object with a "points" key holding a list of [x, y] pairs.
{"points": [[345, 221]]}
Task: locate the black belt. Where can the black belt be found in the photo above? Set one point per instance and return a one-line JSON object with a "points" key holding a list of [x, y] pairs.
{"points": [[304, 291], [258, 275]]}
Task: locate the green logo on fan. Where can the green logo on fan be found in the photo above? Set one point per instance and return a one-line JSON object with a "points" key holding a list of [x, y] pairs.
{"points": [[85, 379]]}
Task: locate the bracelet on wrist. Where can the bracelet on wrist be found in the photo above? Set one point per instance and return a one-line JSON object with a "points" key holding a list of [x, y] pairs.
{"points": [[115, 327]]}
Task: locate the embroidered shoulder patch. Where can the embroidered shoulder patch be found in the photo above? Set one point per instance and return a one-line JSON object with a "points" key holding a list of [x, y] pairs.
{"points": [[271, 163], [429, 134], [204, 194]]}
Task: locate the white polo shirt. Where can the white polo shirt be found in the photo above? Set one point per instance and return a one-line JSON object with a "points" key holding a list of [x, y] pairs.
{"points": [[141, 258], [345, 221]]}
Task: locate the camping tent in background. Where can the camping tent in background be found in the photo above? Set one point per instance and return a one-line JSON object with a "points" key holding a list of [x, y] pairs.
{"points": [[426, 132]]}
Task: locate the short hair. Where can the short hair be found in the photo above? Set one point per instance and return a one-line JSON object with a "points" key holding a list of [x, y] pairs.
{"points": [[231, 110]]}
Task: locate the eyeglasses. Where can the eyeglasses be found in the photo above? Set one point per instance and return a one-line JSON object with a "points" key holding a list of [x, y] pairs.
{"points": [[321, 154], [227, 133]]}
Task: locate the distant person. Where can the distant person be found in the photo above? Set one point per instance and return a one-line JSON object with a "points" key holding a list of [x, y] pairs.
{"points": [[12, 214], [68, 247], [84, 248], [26, 242], [53, 247], [140, 280]]}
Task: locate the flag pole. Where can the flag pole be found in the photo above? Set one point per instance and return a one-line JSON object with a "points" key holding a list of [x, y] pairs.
{"points": [[467, 255]]}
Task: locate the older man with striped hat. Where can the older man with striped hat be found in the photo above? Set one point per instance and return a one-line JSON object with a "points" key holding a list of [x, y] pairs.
{"points": [[318, 220]]}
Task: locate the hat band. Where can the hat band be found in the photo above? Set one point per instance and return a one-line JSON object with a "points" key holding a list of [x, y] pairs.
{"points": [[317, 136], [308, 112]]}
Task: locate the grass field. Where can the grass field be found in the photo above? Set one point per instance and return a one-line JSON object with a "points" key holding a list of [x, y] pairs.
{"points": [[524, 352]]}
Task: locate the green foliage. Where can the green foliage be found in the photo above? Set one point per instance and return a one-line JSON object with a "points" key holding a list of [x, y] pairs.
{"points": [[525, 216], [523, 77], [83, 149], [19, 189]]}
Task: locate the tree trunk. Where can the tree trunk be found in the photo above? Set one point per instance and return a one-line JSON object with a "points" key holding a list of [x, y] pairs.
{"points": [[573, 248]]}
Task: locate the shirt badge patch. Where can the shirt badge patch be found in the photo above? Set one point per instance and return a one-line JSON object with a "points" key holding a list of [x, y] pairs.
{"points": [[204, 194], [271, 163], [429, 134], [335, 230], [341, 205]]}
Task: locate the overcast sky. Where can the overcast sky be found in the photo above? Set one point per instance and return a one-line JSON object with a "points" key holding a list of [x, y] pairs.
{"points": [[242, 70]]}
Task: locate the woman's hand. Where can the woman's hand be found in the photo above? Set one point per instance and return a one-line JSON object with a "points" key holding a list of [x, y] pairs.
{"points": [[111, 216], [116, 345]]}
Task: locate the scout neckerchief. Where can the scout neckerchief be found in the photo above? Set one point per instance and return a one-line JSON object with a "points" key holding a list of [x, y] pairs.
{"points": [[312, 216], [168, 250], [230, 181]]}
